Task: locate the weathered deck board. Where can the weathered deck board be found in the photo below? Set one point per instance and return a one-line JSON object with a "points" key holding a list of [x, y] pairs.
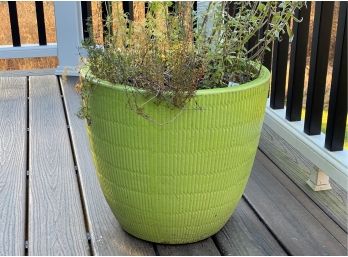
{"points": [[56, 222], [106, 234], [307, 203], [13, 130], [297, 229], [334, 202], [244, 234], [202, 248]]}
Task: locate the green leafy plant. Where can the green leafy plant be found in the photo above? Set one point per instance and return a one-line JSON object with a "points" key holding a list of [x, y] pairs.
{"points": [[169, 58], [224, 47]]}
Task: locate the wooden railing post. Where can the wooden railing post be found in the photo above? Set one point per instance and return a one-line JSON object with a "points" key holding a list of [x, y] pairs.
{"points": [[69, 33]]}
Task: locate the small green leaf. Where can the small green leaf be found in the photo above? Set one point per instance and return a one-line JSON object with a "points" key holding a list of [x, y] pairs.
{"points": [[261, 7]]}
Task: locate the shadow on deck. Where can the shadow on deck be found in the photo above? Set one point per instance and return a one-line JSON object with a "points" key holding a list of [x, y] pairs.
{"points": [[51, 202]]}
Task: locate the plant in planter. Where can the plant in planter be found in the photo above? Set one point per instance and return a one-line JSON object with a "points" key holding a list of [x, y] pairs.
{"points": [[175, 114]]}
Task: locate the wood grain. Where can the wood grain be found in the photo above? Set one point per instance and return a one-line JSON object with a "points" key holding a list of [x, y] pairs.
{"points": [[185, 11], [13, 108], [202, 248], [333, 202], [56, 221], [138, 11], [318, 213], [245, 234], [106, 234], [118, 23], [298, 230]]}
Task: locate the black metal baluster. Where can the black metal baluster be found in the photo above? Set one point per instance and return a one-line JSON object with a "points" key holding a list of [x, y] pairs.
{"points": [[337, 118], [279, 68], [194, 6], [232, 8], [12, 8], [318, 67], [40, 18], [194, 25], [254, 38], [172, 8], [128, 8], [298, 64], [86, 8], [267, 59], [252, 42], [146, 7], [267, 56]]}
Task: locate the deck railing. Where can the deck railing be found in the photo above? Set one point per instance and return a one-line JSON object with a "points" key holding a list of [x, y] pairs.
{"points": [[19, 50], [69, 35], [285, 106]]}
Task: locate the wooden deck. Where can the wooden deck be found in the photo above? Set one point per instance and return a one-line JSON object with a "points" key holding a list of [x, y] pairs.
{"points": [[51, 202]]}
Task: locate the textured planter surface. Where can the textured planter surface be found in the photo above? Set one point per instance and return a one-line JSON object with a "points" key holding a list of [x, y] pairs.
{"points": [[179, 182]]}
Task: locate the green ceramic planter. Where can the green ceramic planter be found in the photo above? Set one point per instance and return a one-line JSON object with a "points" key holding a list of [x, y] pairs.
{"points": [[179, 182]]}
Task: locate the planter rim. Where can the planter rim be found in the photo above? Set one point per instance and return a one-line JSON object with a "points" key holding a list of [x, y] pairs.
{"points": [[262, 78]]}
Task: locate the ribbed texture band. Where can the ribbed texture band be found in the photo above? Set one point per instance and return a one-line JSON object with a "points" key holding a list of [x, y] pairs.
{"points": [[179, 182]]}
